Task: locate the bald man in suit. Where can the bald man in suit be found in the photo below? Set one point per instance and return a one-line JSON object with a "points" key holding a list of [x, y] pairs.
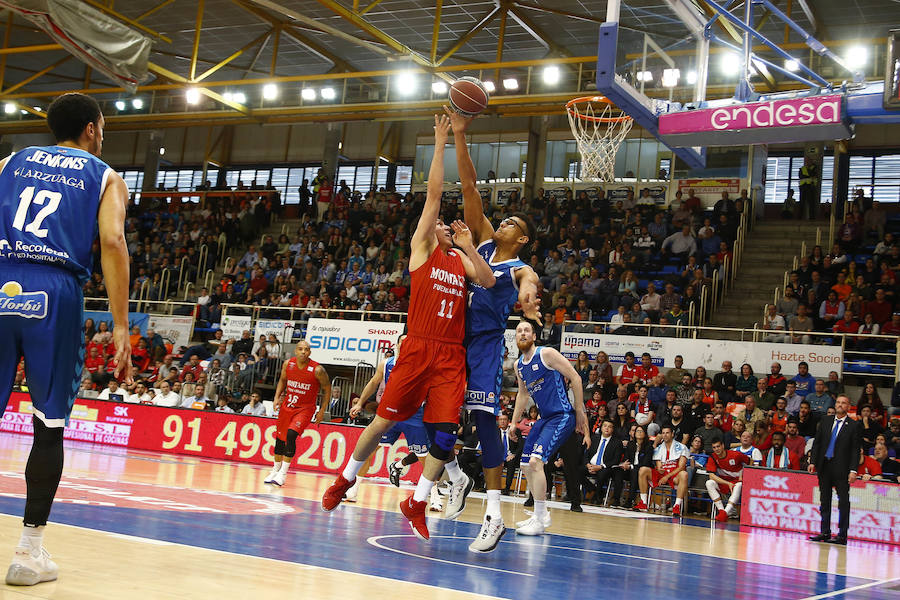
{"points": [[835, 457]]}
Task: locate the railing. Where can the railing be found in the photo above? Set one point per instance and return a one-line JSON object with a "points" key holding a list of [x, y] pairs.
{"points": [[339, 408], [865, 355], [181, 277], [208, 279], [187, 290], [201, 262], [295, 313], [163, 291]]}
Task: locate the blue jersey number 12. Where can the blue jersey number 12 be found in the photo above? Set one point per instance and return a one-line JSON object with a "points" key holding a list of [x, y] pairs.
{"points": [[26, 198]]}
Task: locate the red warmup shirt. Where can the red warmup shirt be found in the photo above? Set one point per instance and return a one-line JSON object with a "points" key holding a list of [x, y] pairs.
{"points": [[844, 326], [728, 467], [437, 299], [881, 311], [627, 374], [301, 386], [646, 373], [197, 371], [93, 365], [324, 193]]}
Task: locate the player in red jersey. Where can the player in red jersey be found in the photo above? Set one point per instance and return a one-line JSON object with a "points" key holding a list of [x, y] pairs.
{"points": [[295, 400], [432, 366], [725, 468]]}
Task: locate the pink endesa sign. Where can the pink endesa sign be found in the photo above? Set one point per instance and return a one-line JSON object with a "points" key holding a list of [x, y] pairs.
{"points": [[818, 110]]}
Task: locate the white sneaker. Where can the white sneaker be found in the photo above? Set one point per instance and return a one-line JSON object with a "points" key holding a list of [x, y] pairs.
{"points": [[732, 511], [545, 520], [350, 495], [270, 478], [489, 536], [278, 479], [435, 503], [27, 569], [534, 526], [456, 501]]}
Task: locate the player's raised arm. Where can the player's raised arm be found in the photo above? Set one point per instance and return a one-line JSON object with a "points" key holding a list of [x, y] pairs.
{"points": [[371, 388], [473, 209], [476, 267], [114, 262], [553, 359], [423, 240], [528, 294], [325, 384]]}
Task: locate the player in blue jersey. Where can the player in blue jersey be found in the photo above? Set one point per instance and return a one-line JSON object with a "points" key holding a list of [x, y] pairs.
{"points": [[542, 373], [54, 201], [486, 315]]}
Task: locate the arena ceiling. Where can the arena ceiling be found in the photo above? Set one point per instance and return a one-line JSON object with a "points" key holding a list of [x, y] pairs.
{"points": [[357, 47]]}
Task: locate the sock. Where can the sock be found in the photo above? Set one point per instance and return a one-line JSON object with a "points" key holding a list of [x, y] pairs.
{"points": [[729, 508], [32, 538], [454, 472], [423, 489], [409, 459], [493, 505], [540, 508], [276, 465], [718, 504], [644, 498], [284, 466], [735, 494], [678, 501], [352, 468]]}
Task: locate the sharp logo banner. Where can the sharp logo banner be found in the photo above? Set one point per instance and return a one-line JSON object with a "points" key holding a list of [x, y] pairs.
{"points": [[348, 343]]}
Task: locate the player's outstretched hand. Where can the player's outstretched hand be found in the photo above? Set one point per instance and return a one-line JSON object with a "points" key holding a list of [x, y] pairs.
{"points": [[462, 236], [123, 353], [458, 121], [531, 307], [441, 129]]}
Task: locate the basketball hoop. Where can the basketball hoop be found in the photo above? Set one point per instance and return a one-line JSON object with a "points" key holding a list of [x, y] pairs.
{"points": [[599, 128]]}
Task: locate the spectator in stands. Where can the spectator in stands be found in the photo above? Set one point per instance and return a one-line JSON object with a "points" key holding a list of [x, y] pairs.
{"points": [[801, 325], [166, 397], [820, 399], [602, 463], [193, 367], [603, 366], [721, 418], [112, 392], [243, 345], [746, 447], [751, 414], [197, 400], [685, 390], [775, 381], [622, 421], [255, 407], [792, 398], [777, 417], [680, 244], [638, 454], [890, 468], [869, 397], [745, 383], [775, 323], [725, 382], [222, 405], [779, 457], [831, 311], [674, 375], [708, 432], [807, 420], [762, 436]]}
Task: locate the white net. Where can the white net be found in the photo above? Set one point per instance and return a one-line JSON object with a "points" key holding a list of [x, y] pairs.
{"points": [[599, 129]]}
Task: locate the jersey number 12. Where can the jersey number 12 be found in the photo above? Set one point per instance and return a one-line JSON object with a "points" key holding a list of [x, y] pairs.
{"points": [[26, 198]]}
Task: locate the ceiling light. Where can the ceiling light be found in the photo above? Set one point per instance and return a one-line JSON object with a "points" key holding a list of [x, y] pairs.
{"points": [[120, 105], [37, 108], [9, 108], [308, 93], [644, 76], [192, 95], [270, 91], [228, 96], [162, 151], [857, 57], [327, 93], [137, 103], [439, 87], [239, 97], [511, 84], [730, 63], [551, 75], [792, 65], [489, 86], [23, 111], [670, 77], [406, 83], [691, 77]]}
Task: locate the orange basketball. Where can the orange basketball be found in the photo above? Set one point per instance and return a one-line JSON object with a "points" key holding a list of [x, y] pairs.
{"points": [[468, 96]]}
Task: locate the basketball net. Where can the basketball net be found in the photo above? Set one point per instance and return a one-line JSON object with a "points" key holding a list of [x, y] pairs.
{"points": [[599, 128]]}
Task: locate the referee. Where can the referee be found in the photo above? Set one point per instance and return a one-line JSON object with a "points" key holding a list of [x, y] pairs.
{"points": [[835, 456]]}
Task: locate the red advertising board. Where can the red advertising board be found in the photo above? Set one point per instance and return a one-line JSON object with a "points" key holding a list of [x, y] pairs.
{"points": [[710, 187], [789, 501], [325, 449]]}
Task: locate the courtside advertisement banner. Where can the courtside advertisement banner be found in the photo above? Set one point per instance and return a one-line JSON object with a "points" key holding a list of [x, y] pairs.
{"points": [[226, 436], [706, 353], [789, 501], [174, 330], [348, 343], [233, 326]]}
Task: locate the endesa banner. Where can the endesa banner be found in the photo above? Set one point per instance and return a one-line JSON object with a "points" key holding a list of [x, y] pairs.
{"points": [[706, 353], [348, 343], [789, 501], [209, 434]]}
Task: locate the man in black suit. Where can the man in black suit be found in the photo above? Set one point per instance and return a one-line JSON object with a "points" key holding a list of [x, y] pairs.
{"points": [[602, 462], [835, 455]]}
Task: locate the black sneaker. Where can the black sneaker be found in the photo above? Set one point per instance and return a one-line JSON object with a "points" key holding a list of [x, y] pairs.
{"points": [[530, 501]]}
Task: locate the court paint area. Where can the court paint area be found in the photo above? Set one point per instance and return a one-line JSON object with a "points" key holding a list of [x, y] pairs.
{"points": [[129, 524]]}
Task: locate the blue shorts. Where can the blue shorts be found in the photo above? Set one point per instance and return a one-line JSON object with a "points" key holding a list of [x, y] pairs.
{"points": [[41, 319], [414, 432], [484, 366], [547, 435]]}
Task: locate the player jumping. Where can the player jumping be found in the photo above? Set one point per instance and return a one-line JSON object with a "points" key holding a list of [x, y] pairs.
{"points": [[488, 310], [432, 367], [542, 373], [295, 400], [48, 201]]}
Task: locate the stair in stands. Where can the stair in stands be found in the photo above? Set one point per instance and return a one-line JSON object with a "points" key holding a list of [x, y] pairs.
{"points": [[768, 252]]}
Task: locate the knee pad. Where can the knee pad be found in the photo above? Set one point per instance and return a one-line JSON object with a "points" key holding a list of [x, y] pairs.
{"points": [[444, 440], [713, 488], [290, 444], [46, 437], [279, 447], [489, 436]]}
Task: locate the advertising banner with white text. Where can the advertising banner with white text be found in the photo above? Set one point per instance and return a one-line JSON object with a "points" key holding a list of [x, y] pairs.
{"points": [[348, 343]]}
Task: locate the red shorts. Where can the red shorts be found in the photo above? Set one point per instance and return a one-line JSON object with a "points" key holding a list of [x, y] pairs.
{"points": [[297, 419], [656, 475], [427, 370], [723, 489]]}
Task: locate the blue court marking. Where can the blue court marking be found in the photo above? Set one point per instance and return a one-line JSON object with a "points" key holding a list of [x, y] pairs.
{"points": [[522, 568]]}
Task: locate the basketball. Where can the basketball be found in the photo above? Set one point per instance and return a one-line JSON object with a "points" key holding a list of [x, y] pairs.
{"points": [[468, 96]]}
